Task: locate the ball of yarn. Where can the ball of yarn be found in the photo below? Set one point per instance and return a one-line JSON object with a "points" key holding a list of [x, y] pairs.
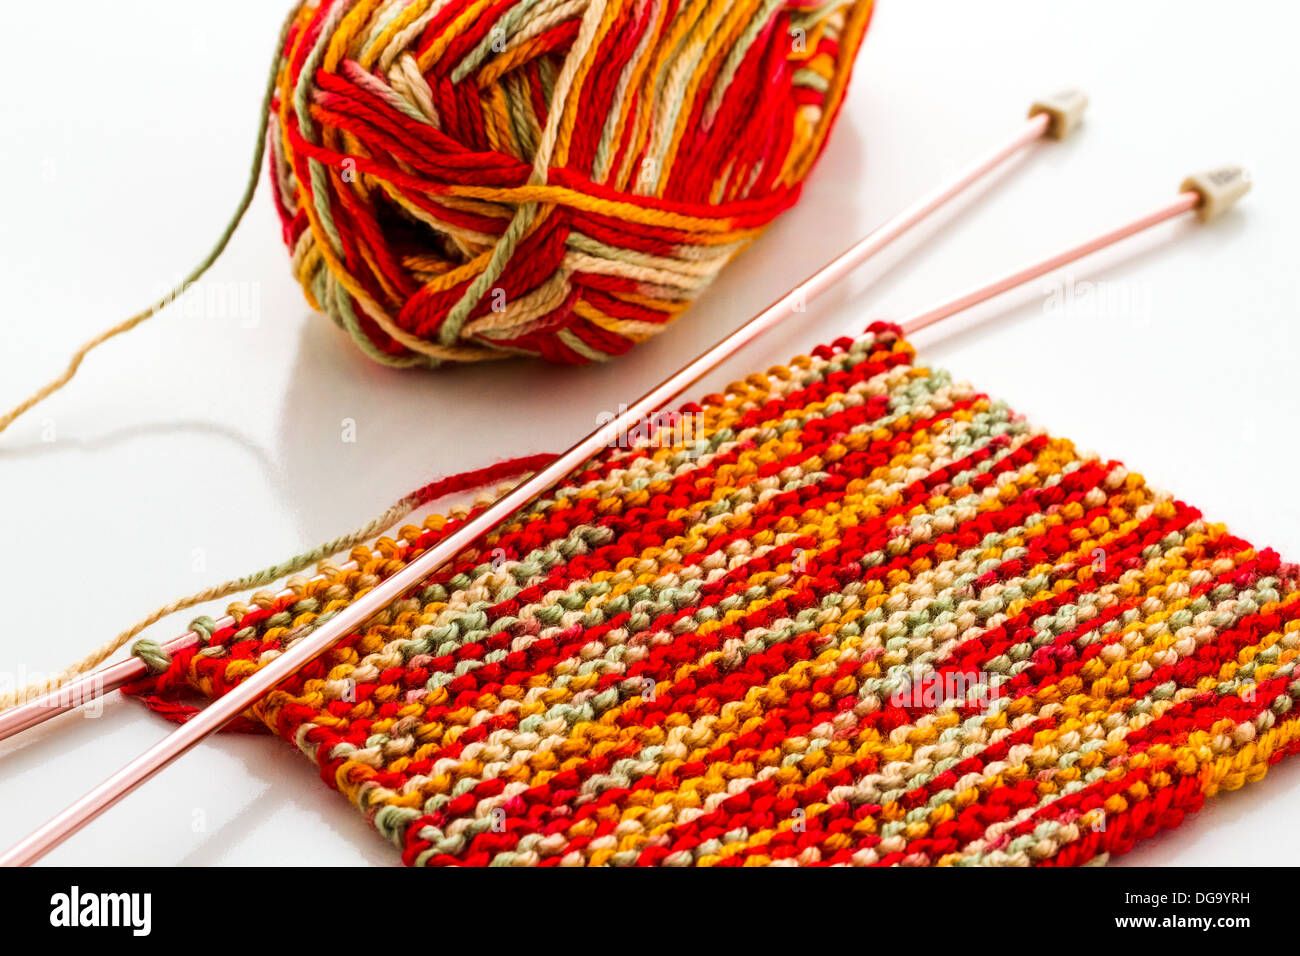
{"points": [[462, 180]]}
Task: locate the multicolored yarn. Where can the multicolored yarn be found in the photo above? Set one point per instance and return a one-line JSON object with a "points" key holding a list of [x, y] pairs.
{"points": [[462, 180], [866, 615]]}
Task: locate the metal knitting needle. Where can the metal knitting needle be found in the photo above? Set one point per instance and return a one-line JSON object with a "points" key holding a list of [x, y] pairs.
{"points": [[110, 677], [1210, 193], [1054, 116], [1185, 202]]}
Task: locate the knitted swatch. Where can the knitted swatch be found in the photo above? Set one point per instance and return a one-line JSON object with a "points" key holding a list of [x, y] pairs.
{"points": [[859, 614], [476, 179]]}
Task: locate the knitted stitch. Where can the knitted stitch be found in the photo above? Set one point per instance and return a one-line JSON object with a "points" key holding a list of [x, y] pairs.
{"points": [[863, 615], [462, 180]]}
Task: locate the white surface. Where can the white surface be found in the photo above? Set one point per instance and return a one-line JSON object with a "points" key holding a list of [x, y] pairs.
{"points": [[198, 436]]}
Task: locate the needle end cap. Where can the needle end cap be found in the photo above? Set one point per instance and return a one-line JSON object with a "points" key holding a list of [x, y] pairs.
{"points": [[1065, 110], [1219, 189]]}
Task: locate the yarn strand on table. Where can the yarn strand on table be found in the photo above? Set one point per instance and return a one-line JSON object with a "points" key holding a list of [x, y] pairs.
{"points": [[131, 322]]}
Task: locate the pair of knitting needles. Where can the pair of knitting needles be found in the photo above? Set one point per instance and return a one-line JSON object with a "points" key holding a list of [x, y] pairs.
{"points": [[1209, 193]]}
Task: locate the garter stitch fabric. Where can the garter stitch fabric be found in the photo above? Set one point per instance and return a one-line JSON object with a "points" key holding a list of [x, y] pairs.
{"points": [[462, 180], [718, 652]]}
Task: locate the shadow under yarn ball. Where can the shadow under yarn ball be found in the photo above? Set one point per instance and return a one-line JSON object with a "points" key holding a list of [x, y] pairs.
{"points": [[461, 180]]}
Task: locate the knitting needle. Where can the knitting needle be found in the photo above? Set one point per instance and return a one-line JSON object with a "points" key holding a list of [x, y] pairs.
{"points": [[1054, 116], [112, 677], [1209, 193], [1185, 202]]}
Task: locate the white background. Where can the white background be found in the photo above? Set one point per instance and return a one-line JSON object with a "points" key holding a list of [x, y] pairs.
{"points": [[124, 139]]}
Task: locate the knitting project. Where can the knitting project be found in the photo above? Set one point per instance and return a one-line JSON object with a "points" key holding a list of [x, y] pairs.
{"points": [[849, 612], [462, 180]]}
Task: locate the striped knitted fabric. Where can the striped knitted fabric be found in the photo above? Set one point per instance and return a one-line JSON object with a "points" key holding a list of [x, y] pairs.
{"points": [[856, 614], [464, 180]]}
